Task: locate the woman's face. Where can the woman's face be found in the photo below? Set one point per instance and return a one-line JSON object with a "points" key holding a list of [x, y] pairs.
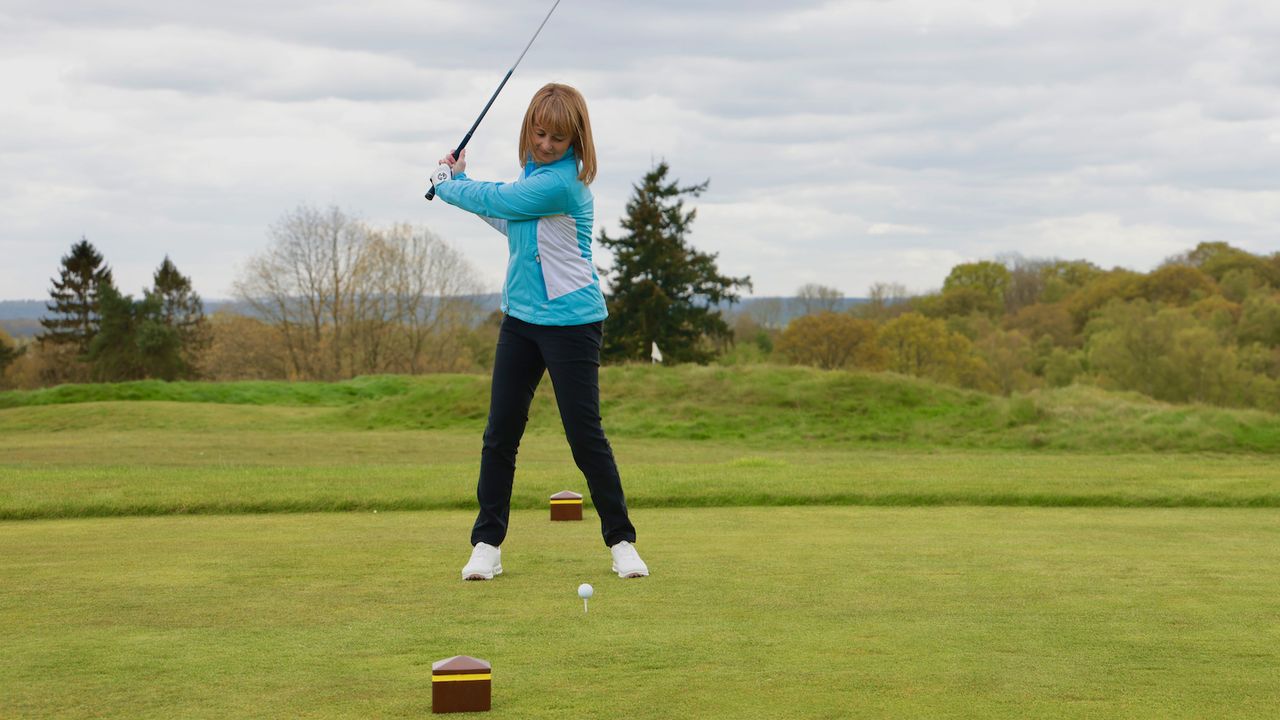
{"points": [[548, 146]]}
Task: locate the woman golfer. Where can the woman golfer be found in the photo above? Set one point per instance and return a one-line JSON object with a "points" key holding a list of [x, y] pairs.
{"points": [[553, 319]]}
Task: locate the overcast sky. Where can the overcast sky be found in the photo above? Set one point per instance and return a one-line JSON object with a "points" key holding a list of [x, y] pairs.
{"points": [[846, 142]]}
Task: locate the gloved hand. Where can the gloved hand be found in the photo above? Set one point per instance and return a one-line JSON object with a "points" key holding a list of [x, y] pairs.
{"points": [[442, 173]]}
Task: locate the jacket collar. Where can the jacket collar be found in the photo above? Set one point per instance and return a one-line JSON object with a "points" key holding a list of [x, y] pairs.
{"points": [[568, 156]]}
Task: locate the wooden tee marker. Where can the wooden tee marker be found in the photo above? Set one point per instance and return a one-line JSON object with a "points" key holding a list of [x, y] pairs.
{"points": [[566, 506], [460, 684]]}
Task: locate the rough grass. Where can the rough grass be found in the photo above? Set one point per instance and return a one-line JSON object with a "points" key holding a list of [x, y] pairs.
{"points": [[758, 405]]}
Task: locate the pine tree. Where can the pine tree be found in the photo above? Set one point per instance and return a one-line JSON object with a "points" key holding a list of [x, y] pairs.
{"points": [[156, 336], [662, 290], [114, 352], [76, 295], [179, 308]]}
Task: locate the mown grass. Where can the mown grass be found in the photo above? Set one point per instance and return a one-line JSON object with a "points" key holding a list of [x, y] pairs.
{"points": [[161, 472], [757, 405], [749, 613]]}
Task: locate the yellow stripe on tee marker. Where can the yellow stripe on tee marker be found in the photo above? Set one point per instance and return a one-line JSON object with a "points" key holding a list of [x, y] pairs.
{"points": [[457, 678]]}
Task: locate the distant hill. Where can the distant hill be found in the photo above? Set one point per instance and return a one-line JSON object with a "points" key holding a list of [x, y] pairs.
{"points": [[21, 309]]}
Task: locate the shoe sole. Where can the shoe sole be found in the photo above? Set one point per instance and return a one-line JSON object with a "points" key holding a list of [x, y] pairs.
{"points": [[482, 576], [631, 575]]}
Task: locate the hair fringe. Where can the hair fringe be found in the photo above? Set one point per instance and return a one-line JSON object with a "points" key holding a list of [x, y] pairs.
{"points": [[561, 109]]}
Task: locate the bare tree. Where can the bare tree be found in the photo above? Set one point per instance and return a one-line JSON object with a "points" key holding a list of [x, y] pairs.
{"points": [[768, 312], [350, 299], [302, 285], [428, 280], [812, 298], [1026, 280], [884, 301]]}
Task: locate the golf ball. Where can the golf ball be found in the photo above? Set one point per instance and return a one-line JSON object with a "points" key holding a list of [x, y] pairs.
{"points": [[585, 591]]}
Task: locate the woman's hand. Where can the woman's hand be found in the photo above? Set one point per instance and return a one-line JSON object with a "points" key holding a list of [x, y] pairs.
{"points": [[458, 165]]}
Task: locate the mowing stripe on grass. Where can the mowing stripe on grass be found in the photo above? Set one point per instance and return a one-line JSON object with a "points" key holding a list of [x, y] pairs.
{"points": [[71, 510]]}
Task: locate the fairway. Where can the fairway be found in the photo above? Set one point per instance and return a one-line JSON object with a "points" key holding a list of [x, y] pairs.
{"points": [[164, 472], [750, 612]]}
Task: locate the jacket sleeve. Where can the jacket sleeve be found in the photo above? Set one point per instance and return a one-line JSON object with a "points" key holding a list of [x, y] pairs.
{"points": [[495, 223], [539, 195]]}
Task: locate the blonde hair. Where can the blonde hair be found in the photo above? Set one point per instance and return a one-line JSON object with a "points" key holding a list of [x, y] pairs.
{"points": [[561, 110]]}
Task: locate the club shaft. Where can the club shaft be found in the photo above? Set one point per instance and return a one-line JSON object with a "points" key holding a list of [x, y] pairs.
{"points": [[457, 153], [467, 138]]}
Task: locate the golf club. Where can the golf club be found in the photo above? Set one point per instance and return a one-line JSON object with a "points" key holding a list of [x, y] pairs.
{"points": [[431, 193]]}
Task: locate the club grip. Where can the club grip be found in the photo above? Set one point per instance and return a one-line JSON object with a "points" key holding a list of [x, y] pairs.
{"points": [[431, 193]]}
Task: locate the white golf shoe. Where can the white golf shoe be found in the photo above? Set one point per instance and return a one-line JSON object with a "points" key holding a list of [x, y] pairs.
{"points": [[485, 562], [627, 562]]}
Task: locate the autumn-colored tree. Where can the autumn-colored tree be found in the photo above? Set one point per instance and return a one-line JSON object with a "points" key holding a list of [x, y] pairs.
{"points": [[960, 301], [1041, 320], [921, 346], [1062, 367], [831, 340], [1260, 321], [748, 329], [1063, 278], [986, 276], [8, 350], [1163, 353], [1216, 259], [1237, 285], [1206, 370], [243, 348], [1008, 355], [1116, 284], [1177, 285], [1220, 315], [1258, 359]]}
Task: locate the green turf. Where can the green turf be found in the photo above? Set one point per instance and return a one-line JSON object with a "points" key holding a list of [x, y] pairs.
{"points": [[157, 472], [749, 613]]}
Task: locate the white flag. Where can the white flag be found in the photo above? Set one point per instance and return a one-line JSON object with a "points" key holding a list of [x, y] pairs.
{"points": [[656, 354]]}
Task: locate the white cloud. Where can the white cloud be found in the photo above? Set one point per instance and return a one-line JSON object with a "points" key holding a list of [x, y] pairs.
{"points": [[891, 229]]}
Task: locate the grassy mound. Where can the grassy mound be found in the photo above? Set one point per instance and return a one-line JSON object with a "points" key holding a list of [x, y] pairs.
{"points": [[774, 406]]}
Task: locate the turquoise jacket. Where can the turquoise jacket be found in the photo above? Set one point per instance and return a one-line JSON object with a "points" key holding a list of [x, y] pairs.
{"points": [[547, 217]]}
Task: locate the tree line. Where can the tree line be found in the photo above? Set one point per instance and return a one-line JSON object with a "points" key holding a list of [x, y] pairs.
{"points": [[1203, 327], [330, 298]]}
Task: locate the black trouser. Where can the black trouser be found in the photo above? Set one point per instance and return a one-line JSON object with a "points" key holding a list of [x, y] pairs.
{"points": [[572, 355]]}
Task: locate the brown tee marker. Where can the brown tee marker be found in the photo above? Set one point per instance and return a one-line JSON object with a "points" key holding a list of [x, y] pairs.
{"points": [[460, 684], [566, 506]]}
